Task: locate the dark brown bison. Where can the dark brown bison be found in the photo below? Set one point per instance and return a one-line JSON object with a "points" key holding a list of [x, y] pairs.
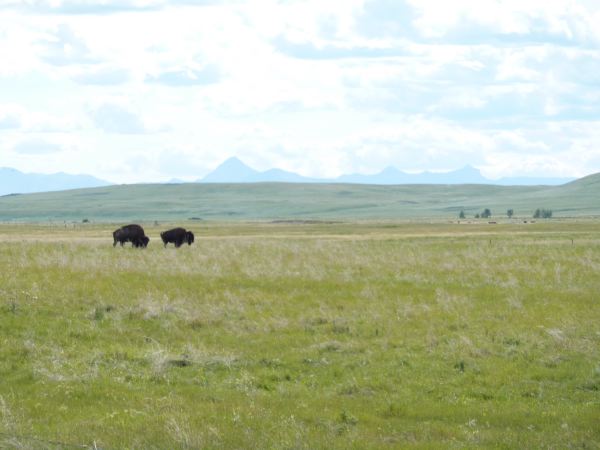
{"points": [[177, 236], [131, 233]]}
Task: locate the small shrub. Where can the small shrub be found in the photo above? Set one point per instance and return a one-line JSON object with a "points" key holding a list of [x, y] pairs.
{"points": [[100, 312], [394, 410], [347, 418]]}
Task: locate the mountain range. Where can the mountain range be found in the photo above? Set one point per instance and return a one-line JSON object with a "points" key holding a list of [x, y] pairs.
{"points": [[235, 171], [14, 182]]}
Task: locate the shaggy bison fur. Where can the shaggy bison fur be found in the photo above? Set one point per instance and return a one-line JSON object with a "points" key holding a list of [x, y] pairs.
{"points": [[131, 233], [143, 242], [177, 236]]}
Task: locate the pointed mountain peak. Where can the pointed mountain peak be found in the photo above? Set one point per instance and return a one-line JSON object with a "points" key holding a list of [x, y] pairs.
{"points": [[233, 163], [232, 160], [468, 169], [232, 170]]}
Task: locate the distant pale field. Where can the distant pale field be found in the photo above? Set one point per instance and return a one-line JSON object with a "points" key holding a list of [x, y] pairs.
{"points": [[317, 335]]}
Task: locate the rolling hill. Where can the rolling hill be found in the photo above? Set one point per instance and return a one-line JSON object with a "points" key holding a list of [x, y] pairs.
{"points": [[273, 201]]}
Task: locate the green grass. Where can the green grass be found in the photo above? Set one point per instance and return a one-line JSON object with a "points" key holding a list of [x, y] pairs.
{"points": [[271, 201], [342, 335]]}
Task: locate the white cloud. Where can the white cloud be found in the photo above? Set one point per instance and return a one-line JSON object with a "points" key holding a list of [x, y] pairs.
{"points": [[36, 146], [9, 122], [316, 87], [81, 6], [113, 118], [185, 77], [64, 47], [562, 21], [102, 76], [178, 163]]}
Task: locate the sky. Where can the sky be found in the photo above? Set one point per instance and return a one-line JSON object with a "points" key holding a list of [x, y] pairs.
{"points": [[151, 90]]}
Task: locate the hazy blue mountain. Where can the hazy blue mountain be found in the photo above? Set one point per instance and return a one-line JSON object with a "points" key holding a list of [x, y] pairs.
{"points": [[13, 181], [280, 175], [391, 175], [231, 171], [235, 171]]}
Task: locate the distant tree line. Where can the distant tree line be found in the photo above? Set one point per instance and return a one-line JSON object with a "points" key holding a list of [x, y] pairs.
{"points": [[540, 213]]}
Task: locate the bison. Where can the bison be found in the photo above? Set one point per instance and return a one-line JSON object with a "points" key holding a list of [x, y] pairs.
{"points": [[131, 233], [177, 236]]}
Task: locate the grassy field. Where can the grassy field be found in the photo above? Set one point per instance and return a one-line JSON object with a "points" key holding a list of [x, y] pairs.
{"points": [[318, 335], [272, 201]]}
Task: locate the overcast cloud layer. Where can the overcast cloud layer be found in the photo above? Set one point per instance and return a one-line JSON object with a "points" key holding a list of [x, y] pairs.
{"points": [[148, 90]]}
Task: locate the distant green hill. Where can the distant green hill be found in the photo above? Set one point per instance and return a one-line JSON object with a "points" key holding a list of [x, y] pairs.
{"points": [[272, 201]]}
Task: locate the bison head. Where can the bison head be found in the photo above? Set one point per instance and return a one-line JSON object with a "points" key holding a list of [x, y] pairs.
{"points": [[189, 237]]}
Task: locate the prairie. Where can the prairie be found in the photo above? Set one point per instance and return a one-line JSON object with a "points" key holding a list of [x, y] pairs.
{"points": [[302, 335]]}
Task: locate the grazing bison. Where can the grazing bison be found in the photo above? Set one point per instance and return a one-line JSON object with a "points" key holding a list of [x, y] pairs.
{"points": [[131, 233], [177, 236]]}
